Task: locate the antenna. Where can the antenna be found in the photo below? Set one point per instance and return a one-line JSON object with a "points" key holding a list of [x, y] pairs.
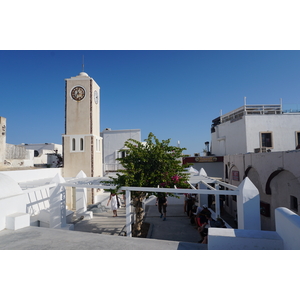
{"points": [[82, 63]]}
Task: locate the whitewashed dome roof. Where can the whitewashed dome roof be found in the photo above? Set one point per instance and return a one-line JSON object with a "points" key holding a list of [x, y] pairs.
{"points": [[83, 74]]}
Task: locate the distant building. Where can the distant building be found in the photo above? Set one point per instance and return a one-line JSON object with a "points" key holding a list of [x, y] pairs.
{"points": [[113, 146], [13, 156], [45, 154], [213, 165], [255, 128]]}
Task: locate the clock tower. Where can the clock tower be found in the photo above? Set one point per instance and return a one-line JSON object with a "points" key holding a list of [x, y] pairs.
{"points": [[82, 144]]}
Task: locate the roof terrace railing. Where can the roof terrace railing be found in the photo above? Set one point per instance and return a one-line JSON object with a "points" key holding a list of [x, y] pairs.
{"points": [[264, 109]]}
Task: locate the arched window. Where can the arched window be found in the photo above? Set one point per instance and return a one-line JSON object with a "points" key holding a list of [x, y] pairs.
{"points": [[81, 144], [73, 145]]}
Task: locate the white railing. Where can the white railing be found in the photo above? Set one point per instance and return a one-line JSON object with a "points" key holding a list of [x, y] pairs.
{"points": [[260, 109], [113, 167]]}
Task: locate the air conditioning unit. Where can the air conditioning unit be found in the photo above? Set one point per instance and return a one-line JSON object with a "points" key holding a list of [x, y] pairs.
{"points": [[260, 150], [196, 154]]}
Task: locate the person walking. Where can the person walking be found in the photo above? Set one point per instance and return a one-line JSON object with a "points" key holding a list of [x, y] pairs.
{"points": [[162, 205], [114, 203]]}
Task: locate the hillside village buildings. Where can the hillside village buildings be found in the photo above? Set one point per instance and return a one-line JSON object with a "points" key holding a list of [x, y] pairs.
{"points": [[257, 142]]}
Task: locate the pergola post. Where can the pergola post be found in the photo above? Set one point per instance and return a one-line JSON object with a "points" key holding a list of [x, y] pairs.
{"points": [[81, 196], [217, 201], [248, 206], [57, 204], [128, 214]]}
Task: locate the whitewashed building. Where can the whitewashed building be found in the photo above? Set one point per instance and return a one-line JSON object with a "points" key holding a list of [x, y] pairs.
{"points": [[113, 146], [255, 128], [276, 176], [44, 153], [259, 142]]}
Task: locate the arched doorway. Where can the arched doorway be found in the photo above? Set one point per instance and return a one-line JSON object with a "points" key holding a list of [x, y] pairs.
{"points": [[265, 199], [284, 188]]}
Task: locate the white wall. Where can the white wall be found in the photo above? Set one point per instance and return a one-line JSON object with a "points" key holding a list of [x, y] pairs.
{"points": [[283, 128], [286, 237], [238, 239], [229, 138], [288, 227], [113, 140], [31, 175], [12, 200]]}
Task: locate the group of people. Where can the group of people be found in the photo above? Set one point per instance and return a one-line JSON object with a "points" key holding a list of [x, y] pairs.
{"points": [[201, 217], [161, 202]]}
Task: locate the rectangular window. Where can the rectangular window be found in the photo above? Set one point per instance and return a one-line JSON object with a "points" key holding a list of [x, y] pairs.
{"points": [[298, 138], [266, 139], [294, 203]]}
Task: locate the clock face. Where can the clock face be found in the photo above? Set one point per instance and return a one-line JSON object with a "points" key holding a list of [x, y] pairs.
{"points": [[78, 93], [96, 98]]}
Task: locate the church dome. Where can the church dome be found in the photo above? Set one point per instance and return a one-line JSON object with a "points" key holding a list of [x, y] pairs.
{"points": [[83, 74]]}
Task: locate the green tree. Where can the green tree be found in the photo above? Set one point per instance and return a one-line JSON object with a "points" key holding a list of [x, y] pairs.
{"points": [[150, 164]]}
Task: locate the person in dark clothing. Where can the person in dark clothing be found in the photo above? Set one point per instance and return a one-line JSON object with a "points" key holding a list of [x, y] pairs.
{"points": [[202, 216], [188, 206], [162, 205], [210, 222]]}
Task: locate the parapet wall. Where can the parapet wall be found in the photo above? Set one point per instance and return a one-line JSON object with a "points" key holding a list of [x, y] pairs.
{"points": [[242, 239], [288, 227], [286, 236]]}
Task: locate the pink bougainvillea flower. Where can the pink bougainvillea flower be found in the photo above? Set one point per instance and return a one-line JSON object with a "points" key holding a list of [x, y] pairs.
{"points": [[175, 178]]}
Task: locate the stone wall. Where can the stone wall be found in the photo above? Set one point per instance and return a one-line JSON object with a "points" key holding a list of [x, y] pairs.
{"points": [[15, 152]]}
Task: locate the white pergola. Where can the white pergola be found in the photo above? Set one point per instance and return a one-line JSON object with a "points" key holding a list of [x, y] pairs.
{"points": [[245, 192]]}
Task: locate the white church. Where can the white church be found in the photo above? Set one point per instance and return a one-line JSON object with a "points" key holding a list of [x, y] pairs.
{"points": [[48, 197]]}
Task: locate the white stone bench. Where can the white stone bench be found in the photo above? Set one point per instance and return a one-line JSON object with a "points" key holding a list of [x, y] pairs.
{"points": [[17, 221]]}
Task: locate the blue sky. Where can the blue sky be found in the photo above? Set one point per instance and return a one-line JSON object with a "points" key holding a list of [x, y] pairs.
{"points": [[174, 94]]}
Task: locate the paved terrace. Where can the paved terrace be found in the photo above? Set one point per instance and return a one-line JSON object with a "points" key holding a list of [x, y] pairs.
{"points": [[105, 232]]}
